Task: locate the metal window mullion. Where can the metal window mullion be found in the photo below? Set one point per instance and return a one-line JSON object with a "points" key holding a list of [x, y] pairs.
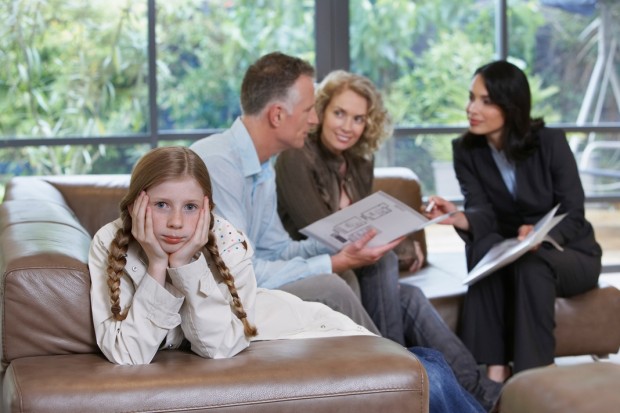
{"points": [[153, 129], [331, 29], [501, 29]]}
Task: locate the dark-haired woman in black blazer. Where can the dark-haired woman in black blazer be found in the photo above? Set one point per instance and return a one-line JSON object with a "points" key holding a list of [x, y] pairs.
{"points": [[512, 171]]}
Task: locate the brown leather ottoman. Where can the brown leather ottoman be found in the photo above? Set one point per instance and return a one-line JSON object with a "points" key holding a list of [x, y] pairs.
{"points": [[581, 388]]}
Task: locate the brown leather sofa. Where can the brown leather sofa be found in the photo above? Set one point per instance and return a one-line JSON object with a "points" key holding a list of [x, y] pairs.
{"points": [[51, 362]]}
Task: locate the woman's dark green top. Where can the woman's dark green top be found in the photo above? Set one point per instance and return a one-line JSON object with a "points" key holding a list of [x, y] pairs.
{"points": [[309, 183]]}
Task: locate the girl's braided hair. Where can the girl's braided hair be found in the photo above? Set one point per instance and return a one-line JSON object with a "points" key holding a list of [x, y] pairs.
{"points": [[157, 166]]}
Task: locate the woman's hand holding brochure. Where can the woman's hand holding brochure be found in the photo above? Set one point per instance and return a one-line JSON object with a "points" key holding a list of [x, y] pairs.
{"points": [[511, 249]]}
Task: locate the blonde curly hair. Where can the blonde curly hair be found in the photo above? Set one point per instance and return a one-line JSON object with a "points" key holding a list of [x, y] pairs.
{"points": [[378, 122]]}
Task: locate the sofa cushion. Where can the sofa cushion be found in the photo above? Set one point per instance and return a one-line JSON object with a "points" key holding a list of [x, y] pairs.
{"points": [[588, 323], [581, 388], [93, 198]]}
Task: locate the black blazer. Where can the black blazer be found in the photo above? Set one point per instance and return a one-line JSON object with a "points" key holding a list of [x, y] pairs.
{"points": [[547, 177]]}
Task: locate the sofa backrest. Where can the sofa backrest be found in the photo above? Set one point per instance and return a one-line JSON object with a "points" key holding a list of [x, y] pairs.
{"points": [[93, 199], [46, 225]]}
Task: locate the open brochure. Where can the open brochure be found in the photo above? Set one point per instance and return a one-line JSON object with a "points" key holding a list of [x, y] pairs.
{"points": [[507, 251], [387, 215]]}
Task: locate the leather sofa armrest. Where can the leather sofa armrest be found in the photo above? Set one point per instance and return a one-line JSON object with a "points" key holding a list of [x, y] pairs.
{"points": [[334, 374], [93, 199], [45, 300]]}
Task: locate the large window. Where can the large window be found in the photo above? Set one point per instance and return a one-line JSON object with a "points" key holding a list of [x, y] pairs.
{"points": [[204, 47], [89, 86], [421, 55], [73, 70], [570, 51]]}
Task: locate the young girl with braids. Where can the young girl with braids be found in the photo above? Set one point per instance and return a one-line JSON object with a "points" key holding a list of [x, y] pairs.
{"points": [[170, 272], [162, 273]]}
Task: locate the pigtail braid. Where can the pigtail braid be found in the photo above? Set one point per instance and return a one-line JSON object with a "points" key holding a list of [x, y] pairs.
{"points": [[250, 330], [117, 259]]}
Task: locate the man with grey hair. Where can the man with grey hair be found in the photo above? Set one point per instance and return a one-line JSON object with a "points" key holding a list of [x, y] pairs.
{"points": [[277, 100]]}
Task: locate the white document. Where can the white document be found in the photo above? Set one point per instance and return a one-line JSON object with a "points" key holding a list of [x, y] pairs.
{"points": [[387, 215], [507, 251]]}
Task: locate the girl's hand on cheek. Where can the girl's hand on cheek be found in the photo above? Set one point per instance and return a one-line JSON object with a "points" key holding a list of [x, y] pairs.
{"points": [[198, 240], [142, 231]]}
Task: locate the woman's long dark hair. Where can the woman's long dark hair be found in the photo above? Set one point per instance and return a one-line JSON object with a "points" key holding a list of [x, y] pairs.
{"points": [[509, 89]]}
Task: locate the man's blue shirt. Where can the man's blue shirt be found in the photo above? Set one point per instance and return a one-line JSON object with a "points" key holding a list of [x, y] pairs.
{"points": [[244, 193]]}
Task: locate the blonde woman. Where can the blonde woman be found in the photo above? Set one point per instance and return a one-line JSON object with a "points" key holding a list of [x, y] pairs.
{"points": [[335, 169]]}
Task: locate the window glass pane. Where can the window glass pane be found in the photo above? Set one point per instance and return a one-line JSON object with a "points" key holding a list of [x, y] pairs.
{"points": [[429, 156], [73, 68], [605, 218], [598, 159], [570, 51], [204, 48], [67, 160], [422, 53]]}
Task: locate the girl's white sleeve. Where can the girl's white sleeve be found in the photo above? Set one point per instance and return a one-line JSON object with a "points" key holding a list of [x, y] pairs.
{"points": [[153, 310], [208, 320]]}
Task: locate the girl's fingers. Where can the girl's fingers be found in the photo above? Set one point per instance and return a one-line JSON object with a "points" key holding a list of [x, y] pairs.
{"points": [[141, 213], [201, 233], [148, 223]]}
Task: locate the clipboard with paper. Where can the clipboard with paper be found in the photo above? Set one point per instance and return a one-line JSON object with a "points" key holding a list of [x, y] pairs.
{"points": [[385, 214], [509, 250]]}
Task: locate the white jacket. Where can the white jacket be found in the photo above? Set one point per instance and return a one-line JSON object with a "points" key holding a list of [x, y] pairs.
{"points": [[195, 304]]}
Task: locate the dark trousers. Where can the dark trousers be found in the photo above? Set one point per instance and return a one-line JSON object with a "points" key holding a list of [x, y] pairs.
{"points": [[509, 316]]}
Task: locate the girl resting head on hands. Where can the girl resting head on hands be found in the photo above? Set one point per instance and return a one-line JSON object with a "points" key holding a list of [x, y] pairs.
{"points": [[167, 241]]}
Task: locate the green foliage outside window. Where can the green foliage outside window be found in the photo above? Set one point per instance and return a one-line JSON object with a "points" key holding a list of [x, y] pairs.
{"points": [[204, 47], [422, 55], [73, 68], [79, 68]]}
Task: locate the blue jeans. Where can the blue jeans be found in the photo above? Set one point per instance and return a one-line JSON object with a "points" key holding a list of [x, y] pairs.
{"points": [[445, 393], [404, 314], [379, 288], [423, 326]]}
